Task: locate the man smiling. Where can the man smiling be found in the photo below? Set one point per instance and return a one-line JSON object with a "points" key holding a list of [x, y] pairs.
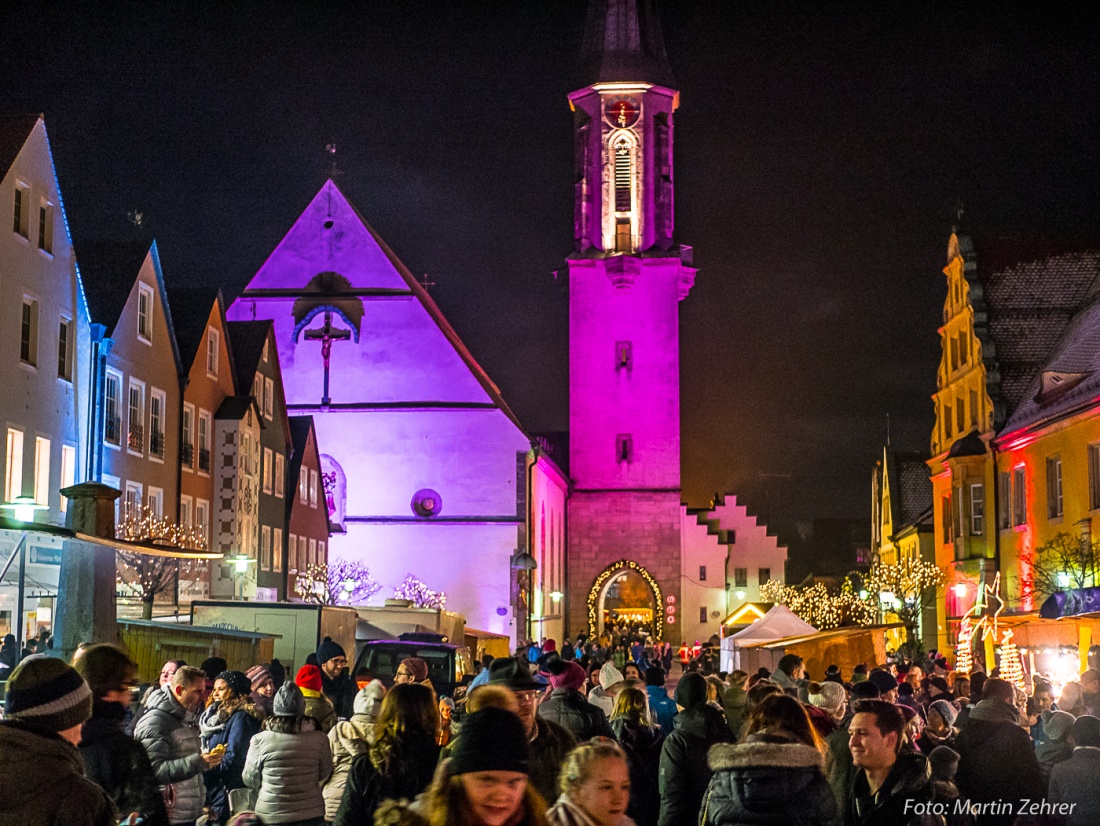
{"points": [[889, 785]]}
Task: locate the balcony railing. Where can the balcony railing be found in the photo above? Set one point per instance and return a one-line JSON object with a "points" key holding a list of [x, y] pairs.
{"points": [[187, 455], [204, 460], [156, 444], [112, 430], [136, 440]]}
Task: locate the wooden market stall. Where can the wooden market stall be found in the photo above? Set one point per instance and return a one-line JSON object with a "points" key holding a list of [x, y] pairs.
{"points": [[845, 647]]}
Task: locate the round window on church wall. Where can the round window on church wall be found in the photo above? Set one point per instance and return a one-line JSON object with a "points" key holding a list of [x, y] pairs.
{"points": [[427, 502]]}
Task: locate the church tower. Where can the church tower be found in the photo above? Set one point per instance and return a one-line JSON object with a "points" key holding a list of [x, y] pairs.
{"points": [[627, 276]]}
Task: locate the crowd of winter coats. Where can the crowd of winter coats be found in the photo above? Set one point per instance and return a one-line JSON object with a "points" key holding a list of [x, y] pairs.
{"points": [[211, 745]]}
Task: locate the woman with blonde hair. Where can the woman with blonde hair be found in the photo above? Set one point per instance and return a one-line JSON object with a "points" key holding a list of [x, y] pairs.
{"points": [[775, 774], [484, 783], [595, 787], [641, 741], [401, 758]]}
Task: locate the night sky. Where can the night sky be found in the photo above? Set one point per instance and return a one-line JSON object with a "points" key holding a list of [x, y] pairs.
{"points": [[819, 149]]}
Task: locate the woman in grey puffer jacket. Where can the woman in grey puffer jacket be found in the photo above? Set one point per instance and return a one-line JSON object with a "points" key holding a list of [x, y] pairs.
{"points": [[350, 738], [287, 765]]}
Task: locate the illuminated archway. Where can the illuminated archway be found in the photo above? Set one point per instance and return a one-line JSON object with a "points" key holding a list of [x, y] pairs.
{"points": [[600, 587]]}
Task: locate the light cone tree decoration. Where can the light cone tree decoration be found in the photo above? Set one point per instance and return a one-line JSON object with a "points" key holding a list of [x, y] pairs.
{"points": [[964, 653], [337, 583], [1012, 668], [419, 594]]}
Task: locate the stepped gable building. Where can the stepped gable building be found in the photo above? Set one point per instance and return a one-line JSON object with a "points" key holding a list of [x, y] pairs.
{"points": [[430, 469], [1013, 461], [626, 276]]}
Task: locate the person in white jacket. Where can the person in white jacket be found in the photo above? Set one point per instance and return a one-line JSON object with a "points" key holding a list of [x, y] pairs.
{"points": [[350, 738], [286, 765], [610, 680]]}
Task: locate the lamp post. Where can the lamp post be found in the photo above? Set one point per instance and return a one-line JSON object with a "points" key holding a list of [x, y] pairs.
{"points": [[23, 509], [240, 563]]}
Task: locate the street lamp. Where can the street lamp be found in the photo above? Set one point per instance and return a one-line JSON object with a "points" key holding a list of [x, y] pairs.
{"points": [[960, 590], [555, 596], [240, 563], [23, 508], [1063, 580]]}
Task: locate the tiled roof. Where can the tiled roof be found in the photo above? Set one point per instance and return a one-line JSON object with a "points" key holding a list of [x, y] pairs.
{"points": [[14, 131], [1025, 294], [108, 270], [1076, 357], [246, 340], [914, 487]]}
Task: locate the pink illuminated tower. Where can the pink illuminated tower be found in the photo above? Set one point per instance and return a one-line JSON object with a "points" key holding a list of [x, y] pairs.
{"points": [[626, 277]]}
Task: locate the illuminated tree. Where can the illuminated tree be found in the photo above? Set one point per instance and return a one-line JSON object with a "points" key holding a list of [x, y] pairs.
{"points": [[419, 594], [1064, 562], [820, 607], [911, 582], [1012, 668], [145, 574], [964, 648], [337, 583]]}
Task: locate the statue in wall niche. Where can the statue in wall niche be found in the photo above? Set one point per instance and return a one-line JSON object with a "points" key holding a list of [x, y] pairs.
{"points": [[336, 491]]}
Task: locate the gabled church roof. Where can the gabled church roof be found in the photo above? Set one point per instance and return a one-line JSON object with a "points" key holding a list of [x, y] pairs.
{"points": [[367, 266], [623, 43], [14, 131]]}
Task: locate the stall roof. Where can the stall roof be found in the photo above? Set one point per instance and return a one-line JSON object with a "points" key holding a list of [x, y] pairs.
{"points": [[847, 631], [779, 622]]}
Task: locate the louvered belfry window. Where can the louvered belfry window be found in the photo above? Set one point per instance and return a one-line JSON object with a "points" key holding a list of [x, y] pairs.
{"points": [[623, 175]]}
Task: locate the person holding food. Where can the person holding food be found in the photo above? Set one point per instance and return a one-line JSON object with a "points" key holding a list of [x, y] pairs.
{"points": [[226, 727]]}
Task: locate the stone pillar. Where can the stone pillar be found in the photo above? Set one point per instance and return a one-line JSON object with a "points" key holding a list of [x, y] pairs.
{"points": [[86, 610]]}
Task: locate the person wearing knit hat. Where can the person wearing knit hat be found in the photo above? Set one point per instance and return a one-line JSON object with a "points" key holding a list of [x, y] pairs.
{"points": [[568, 707], [411, 670], [945, 762], [337, 681], [318, 707], [1055, 745], [830, 697], [684, 770], [608, 687], [47, 704], [263, 688], [229, 722], [493, 740], [350, 738], [1073, 781], [886, 683]]}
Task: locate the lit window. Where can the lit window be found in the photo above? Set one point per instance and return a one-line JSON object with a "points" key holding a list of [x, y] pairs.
{"points": [[68, 472], [977, 510], [156, 501], [280, 475], [202, 511], [277, 548], [212, 339], [267, 470], [265, 548], [13, 481], [156, 423], [1054, 487], [145, 313], [269, 399], [303, 486], [313, 485], [42, 470], [264, 356], [112, 409], [132, 500], [185, 511], [45, 228], [28, 332], [65, 342]]}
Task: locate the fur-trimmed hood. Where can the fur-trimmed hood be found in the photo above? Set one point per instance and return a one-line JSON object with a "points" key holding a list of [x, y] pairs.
{"points": [[726, 756]]}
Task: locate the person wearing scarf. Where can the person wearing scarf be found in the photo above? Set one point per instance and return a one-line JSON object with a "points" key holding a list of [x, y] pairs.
{"points": [[595, 787]]}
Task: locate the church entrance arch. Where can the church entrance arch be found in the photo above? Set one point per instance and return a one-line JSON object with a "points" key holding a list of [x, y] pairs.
{"points": [[625, 593]]}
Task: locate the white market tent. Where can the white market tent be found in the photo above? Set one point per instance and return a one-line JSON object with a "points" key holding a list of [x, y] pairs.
{"points": [[778, 623]]}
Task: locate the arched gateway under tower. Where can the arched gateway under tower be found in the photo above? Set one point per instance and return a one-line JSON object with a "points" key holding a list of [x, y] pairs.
{"points": [[626, 594], [627, 276]]}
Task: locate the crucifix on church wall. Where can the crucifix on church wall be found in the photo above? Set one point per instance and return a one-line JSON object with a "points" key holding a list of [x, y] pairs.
{"points": [[327, 334]]}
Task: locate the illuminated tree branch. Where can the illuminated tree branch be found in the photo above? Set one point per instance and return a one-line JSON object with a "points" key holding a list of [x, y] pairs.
{"points": [[338, 583], [419, 594]]}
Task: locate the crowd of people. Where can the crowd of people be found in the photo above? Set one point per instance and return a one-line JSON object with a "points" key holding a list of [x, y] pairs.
{"points": [[574, 736]]}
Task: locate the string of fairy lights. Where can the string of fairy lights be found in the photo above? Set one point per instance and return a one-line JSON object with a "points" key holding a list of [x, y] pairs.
{"points": [[614, 570]]}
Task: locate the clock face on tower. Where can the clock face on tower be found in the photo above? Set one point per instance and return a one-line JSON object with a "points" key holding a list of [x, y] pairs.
{"points": [[621, 112]]}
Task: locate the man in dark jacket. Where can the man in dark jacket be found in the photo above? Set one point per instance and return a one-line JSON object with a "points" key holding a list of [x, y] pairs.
{"points": [[839, 758], [997, 762], [684, 771], [47, 703], [549, 742], [1073, 781], [336, 682], [889, 785], [114, 761], [568, 708]]}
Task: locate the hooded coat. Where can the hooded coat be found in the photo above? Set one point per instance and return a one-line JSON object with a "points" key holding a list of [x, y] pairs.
{"points": [[761, 783], [734, 700], [173, 748], [1074, 781], [118, 764], [996, 759], [569, 709], [662, 708], [236, 733], [348, 739], [642, 745], [287, 771], [909, 783], [410, 771], [684, 774], [74, 800]]}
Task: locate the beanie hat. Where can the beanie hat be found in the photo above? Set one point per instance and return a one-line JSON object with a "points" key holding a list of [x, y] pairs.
{"points": [[417, 667], [549, 645], [1056, 724], [289, 701], [946, 710], [691, 691], [865, 690], [491, 739], [945, 762], [1086, 731], [905, 690], [48, 693], [830, 698], [308, 676], [884, 680], [940, 683], [369, 699], [655, 675], [570, 675], [212, 666], [259, 676], [609, 675], [328, 649], [237, 681]]}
